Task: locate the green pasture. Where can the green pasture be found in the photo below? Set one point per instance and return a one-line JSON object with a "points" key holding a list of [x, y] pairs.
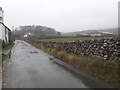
{"points": [[70, 39]]}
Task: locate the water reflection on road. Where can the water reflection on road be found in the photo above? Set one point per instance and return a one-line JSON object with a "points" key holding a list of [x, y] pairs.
{"points": [[31, 68]]}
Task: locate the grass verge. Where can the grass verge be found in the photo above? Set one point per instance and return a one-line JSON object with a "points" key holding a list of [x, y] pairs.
{"points": [[0, 60], [6, 51]]}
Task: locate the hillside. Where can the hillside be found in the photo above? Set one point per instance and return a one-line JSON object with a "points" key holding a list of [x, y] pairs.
{"points": [[112, 30], [47, 32], [38, 31]]}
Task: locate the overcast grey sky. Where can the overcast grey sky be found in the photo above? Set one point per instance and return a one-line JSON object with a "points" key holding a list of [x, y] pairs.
{"points": [[63, 15]]}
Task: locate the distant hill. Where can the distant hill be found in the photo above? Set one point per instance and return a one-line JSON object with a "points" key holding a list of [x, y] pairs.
{"points": [[111, 30], [47, 32], [37, 31]]}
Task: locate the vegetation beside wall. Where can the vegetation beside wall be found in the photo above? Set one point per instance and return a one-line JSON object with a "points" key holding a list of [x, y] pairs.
{"points": [[6, 51], [0, 60], [101, 69]]}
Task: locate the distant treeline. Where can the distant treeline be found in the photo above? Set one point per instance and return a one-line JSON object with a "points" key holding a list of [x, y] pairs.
{"points": [[37, 31]]}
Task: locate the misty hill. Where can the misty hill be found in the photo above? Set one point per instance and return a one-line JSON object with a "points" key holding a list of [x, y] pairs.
{"points": [[38, 31], [47, 32], [111, 30]]}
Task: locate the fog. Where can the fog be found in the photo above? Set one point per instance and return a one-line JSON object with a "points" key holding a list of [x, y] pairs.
{"points": [[63, 15]]}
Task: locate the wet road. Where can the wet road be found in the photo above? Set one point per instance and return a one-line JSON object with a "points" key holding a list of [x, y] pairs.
{"points": [[30, 67]]}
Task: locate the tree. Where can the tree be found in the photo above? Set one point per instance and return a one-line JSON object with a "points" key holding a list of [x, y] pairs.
{"points": [[59, 33]]}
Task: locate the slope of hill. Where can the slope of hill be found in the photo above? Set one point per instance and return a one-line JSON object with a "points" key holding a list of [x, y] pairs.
{"points": [[38, 31], [112, 30]]}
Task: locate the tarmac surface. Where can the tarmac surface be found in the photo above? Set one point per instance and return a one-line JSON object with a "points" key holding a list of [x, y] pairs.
{"points": [[30, 67]]}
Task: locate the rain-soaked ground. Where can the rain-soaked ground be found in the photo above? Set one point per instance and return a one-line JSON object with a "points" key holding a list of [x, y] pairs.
{"points": [[30, 67]]}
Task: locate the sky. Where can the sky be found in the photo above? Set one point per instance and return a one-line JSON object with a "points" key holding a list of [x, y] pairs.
{"points": [[63, 15]]}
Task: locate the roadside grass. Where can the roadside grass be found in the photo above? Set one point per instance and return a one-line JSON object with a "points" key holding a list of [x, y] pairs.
{"points": [[0, 60], [4, 57], [101, 69], [6, 51], [70, 39], [8, 47]]}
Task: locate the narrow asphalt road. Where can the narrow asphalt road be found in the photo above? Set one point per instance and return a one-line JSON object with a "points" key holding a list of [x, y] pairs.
{"points": [[30, 67]]}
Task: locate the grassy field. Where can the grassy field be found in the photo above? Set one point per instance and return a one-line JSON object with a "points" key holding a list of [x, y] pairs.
{"points": [[70, 39]]}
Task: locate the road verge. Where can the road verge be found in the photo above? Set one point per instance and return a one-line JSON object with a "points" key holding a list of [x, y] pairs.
{"points": [[6, 53]]}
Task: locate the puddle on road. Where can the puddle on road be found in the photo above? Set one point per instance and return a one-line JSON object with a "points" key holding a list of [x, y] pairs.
{"points": [[32, 52], [51, 58]]}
